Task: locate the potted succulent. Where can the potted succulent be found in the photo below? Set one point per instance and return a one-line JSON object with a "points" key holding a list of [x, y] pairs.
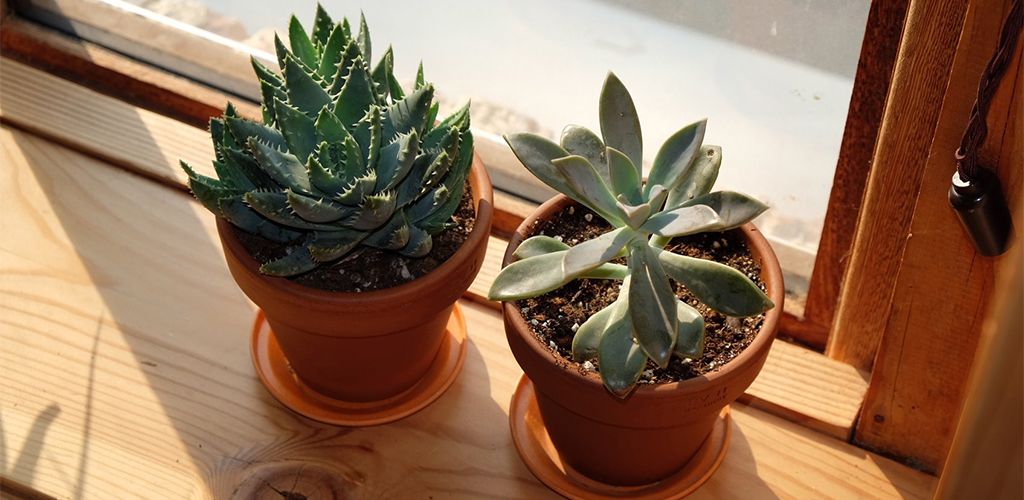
{"points": [[345, 216], [594, 381]]}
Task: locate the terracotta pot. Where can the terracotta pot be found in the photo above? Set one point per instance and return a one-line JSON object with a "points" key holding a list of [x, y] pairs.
{"points": [[654, 431], [367, 346]]}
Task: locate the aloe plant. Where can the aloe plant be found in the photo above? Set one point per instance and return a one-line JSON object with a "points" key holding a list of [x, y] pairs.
{"points": [[603, 173], [344, 157]]}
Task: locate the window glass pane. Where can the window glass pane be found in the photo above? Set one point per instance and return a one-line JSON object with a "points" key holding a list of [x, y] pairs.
{"points": [[774, 77]]}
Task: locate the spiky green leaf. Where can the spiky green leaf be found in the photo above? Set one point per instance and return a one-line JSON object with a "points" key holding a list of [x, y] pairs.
{"points": [[356, 96], [301, 45], [304, 92], [286, 170]]}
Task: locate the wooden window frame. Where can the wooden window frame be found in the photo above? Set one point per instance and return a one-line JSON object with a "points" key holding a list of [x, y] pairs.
{"points": [[919, 59]]}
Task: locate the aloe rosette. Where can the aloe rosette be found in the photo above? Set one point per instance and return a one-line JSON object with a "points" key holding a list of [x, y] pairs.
{"points": [[343, 158], [603, 173]]}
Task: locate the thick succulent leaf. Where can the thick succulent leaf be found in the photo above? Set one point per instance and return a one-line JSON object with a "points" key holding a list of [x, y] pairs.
{"points": [[284, 168], [301, 45], [528, 278], [438, 168], [539, 245], [682, 221], [393, 235], [368, 134], [281, 50], [583, 142], [652, 304], [207, 190], [298, 129], [588, 187], [381, 70], [355, 193], [243, 130], [271, 87], [592, 253], [394, 87], [304, 93], [348, 58], [675, 156], [346, 28], [607, 272], [634, 216], [323, 25], [355, 163], [331, 55], [297, 262], [588, 337], [698, 178], [412, 189], [620, 125], [421, 209], [536, 154], [375, 210], [455, 184], [420, 243], [329, 128], [621, 360], [407, 115], [247, 165], [431, 117], [690, 340], [364, 37], [457, 120], [317, 209], [356, 96], [334, 245], [420, 80], [323, 179], [733, 209], [232, 177], [625, 180], [218, 134], [719, 286], [658, 196], [396, 160], [274, 206], [235, 211]]}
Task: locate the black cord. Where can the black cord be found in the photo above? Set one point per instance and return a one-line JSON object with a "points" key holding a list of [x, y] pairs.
{"points": [[967, 155]]}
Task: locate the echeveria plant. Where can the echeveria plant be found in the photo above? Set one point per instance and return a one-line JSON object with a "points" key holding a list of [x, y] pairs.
{"points": [[343, 157], [647, 321]]}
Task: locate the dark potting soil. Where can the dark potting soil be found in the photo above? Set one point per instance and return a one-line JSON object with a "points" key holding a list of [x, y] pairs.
{"points": [[366, 269], [554, 315]]}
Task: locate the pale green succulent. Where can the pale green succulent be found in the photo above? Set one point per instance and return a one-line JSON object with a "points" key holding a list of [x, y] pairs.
{"points": [[343, 157], [647, 321]]}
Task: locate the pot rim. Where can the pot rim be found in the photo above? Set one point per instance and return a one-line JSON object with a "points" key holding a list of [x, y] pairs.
{"points": [[483, 197], [771, 273]]}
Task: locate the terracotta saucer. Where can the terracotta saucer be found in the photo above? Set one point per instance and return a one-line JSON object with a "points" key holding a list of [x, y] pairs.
{"points": [[539, 455], [277, 377]]}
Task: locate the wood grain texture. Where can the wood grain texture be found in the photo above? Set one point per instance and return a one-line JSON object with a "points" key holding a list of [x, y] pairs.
{"points": [[915, 98], [943, 286], [987, 456], [143, 141], [867, 103], [112, 74], [126, 373]]}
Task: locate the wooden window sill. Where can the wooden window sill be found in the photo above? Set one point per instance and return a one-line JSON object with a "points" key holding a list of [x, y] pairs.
{"points": [[126, 371]]}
